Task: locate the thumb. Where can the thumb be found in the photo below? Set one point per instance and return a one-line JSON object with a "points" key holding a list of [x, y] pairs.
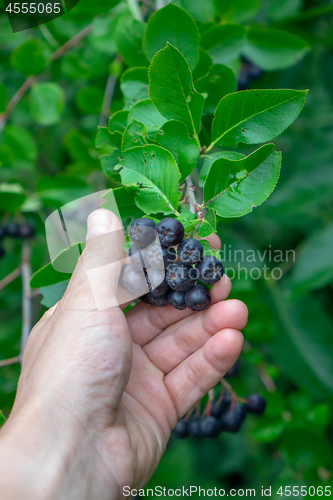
{"points": [[94, 283]]}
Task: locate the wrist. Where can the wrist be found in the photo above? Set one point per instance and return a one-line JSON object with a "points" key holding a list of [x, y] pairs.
{"points": [[36, 453]]}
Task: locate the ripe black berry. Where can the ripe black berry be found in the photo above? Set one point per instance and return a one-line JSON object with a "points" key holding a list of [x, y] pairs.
{"points": [[194, 428], [137, 257], [13, 230], [158, 300], [210, 427], [3, 232], [170, 231], [241, 410], [210, 269], [230, 421], [221, 407], [133, 281], [156, 281], [256, 404], [142, 232], [158, 256], [180, 277], [26, 231], [190, 251], [198, 298], [177, 299], [2, 252], [181, 429], [145, 299]]}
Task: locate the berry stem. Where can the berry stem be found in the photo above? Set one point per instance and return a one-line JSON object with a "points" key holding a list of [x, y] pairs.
{"points": [[191, 200]]}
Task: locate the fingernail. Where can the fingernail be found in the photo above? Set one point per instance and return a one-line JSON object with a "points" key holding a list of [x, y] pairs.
{"points": [[99, 222]]}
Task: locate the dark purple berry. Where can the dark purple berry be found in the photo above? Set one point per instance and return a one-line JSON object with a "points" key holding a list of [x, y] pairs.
{"points": [[190, 251], [181, 429], [142, 232], [156, 281], [194, 428], [13, 230], [177, 299], [180, 277], [170, 232], [218, 408], [241, 410], [133, 281], [198, 298], [158, 300], [159, 256], [210, 427], [137, 257], [145, 299], [26, 231], [2, 252], [3, 232], [234, 370], [210, 269], [230, 421], [256, 404]]}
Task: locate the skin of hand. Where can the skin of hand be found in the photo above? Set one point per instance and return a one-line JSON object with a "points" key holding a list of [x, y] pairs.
{"points": [[100, 391]]}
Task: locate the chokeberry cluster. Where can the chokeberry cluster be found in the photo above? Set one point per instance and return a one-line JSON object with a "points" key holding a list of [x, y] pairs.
{"points": [[15, 230], [225, 415], [164, 267]]}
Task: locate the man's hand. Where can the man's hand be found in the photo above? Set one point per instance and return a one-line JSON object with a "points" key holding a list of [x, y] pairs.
{"points": [[100, 391]]}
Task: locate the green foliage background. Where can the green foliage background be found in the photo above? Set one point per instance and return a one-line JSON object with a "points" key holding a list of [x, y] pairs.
{"points": [[48, 157]]}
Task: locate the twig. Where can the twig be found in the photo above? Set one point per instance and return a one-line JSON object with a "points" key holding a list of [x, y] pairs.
{"points": [[109, 88], [190, 197], [30, 80], [266, 379], [48, 36], [10, 361], [10, 277], [26, 295]]}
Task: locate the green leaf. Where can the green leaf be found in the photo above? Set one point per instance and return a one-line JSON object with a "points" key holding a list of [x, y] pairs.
{"points": [[12, 196], [128, 38], [304, 344], [146, 113], [77, 146], [53, 293], [109, 162], [237, 11], [125, 199], [223, 42], [200, 11], [208, 225], [21, 142], [66, 261], [62, 189], [28, 58], [3, 98], [135, 135], [188, 219], [2, 419], [116, 127], [173, 25], [185, 150], [273, 49], [254, 116], [210, 158], [282, 9], [154, 170], [203, 65], [134, 85], [103, 136], [89, 100], [269, 430], [313, 267], [171, 89], [234, 188], [47, 102], [219, 82]]}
